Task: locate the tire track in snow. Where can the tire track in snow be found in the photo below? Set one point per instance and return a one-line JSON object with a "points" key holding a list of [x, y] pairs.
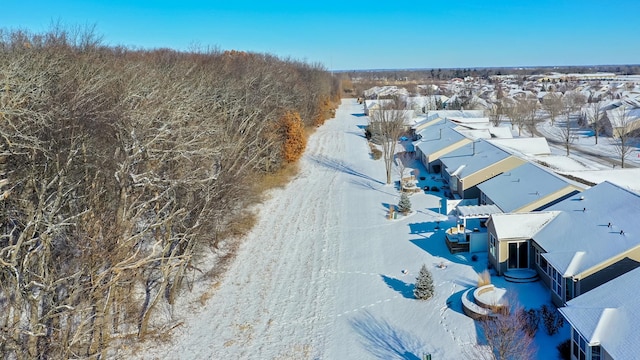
{"points": [[301, 242], [277, 298]]}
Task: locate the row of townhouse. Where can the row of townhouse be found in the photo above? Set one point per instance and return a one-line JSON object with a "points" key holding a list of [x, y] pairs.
{"points": [[584, 244]]}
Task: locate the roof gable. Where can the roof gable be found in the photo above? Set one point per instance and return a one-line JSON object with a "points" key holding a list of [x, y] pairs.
{"points": [[609, 315], [521, 186], [521, 225], [593, 222], [474, 156], [437, 137]]}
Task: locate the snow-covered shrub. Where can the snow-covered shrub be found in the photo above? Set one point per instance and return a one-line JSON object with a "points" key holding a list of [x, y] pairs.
{"points": [[404, 206], [530, 321], [565, 349], [552, 319], [424, 289]]}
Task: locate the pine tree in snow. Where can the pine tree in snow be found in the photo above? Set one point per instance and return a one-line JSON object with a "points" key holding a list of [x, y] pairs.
{"points": [[404, 206], [424, 289]]}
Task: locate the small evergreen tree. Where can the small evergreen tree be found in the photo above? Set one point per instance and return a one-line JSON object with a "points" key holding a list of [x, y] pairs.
{"points": [[424, 289], [404, 206]]}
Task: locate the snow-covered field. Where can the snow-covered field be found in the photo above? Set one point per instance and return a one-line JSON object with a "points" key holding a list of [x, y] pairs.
{"points": [[321, 275]]}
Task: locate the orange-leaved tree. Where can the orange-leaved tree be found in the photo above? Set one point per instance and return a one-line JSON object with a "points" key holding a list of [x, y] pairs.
{"points": [[326, 110], [295, 140]]}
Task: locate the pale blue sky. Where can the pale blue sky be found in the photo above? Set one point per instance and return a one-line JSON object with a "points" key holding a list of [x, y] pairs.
{"points": [[372, 34]]}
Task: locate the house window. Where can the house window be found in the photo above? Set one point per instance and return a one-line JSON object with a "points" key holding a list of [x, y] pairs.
{"points": [[544, 265], [556, 281], [578, 346], [541, 261], [492, 246]]}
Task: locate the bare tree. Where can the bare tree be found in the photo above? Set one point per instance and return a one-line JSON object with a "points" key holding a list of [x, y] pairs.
{"points": [[529, 107], [496, 113], [403, 159], [552, 103], [624, 132], [117, 166], [506, 337], [387, 125], [594, 116], [517, 113], [572, 103]]}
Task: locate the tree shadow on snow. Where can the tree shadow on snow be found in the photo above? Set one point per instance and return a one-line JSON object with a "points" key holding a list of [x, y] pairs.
{"points": [[371, 185], [403, 288], [340, 165], [385, 341], [435, 245]]}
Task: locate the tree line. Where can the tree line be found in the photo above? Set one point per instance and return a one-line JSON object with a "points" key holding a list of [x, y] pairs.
{"points": [[118, 166]]}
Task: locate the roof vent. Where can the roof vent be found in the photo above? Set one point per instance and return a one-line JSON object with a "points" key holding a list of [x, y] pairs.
{"points": [[581, 197]]}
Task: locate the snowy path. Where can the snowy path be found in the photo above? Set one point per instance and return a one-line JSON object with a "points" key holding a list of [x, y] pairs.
{"points": [[320, 276]]}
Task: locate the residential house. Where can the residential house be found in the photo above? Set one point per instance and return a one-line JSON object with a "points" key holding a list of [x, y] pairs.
{"points": [[437, 140], [525, 188], [605, 322], [473, 163], [623, 120], [378, 104], [509, 236], [589, 239]]}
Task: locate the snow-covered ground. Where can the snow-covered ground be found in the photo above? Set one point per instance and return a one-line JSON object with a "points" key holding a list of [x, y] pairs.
{"points": [[321, 275]]}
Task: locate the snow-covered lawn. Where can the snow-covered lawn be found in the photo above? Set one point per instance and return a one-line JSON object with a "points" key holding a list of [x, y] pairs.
{"points": [[321, 275]]}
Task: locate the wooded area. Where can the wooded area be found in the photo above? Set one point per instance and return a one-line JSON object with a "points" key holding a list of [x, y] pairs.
{"points": [[118, 167]]}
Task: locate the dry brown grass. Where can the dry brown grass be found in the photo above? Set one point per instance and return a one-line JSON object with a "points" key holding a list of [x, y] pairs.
{"points": [[240, 226], [278, 179], [484, 278]]}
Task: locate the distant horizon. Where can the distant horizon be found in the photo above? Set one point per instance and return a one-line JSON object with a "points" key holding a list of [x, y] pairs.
{"points": [[485, 67], [370, 36]]}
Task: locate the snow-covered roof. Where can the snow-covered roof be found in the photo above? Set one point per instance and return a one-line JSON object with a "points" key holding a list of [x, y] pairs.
{"points": [[623, 116], [426, 120], [445, 114], [609, 316], [437, 137], [476, 156], [429, 102], [521, 225], [627, 178], [469, 120], [473, 134], [500, 132], [377, 103], [521, 186], [601, 222], [477, 211], [527, 146], [387, 90]]}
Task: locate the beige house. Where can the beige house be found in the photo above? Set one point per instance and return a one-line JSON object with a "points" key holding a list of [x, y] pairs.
{"points": [[473, 163], [436, 141], [528, 187], [575, 245]]}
